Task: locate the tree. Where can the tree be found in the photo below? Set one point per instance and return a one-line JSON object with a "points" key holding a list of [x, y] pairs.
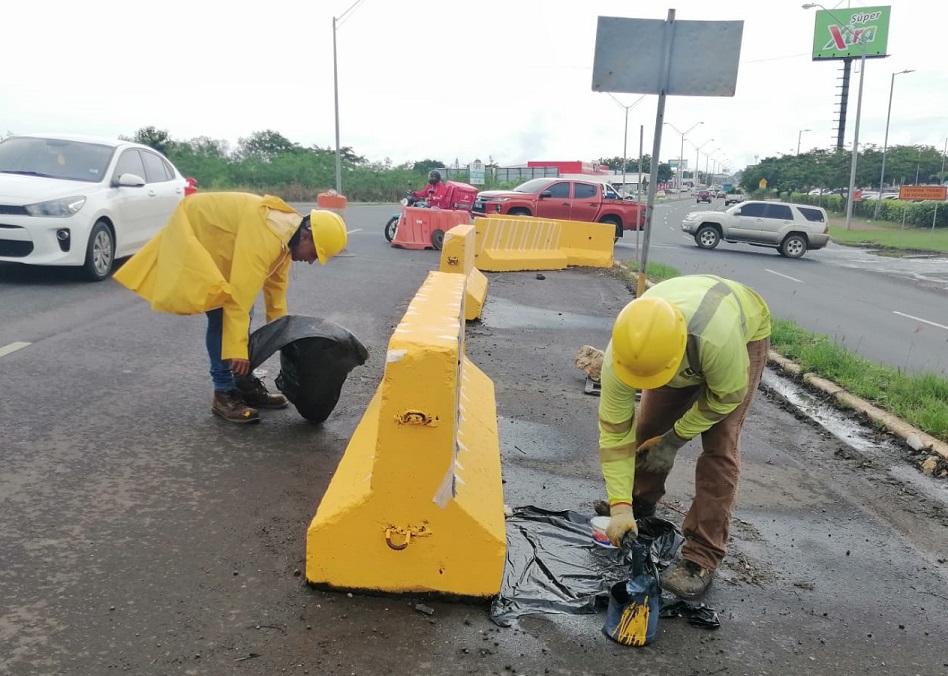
{"points": [[159, 139], [265, 146], [424, 166]]}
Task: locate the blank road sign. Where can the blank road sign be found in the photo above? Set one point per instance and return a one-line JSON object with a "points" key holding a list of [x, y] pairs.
{"points": [[704, 56]]}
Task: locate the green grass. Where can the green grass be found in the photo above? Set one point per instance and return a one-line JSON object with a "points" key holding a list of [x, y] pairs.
{"points": [[920, 400], [656, 272], [892, 236]]}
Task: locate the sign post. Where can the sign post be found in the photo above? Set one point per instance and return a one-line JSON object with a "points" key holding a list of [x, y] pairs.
{"points": [[476, 172], [918, 193], [649, 56]]}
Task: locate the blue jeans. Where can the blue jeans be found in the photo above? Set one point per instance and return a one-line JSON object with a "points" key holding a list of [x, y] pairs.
{"points": [[221, 376]]}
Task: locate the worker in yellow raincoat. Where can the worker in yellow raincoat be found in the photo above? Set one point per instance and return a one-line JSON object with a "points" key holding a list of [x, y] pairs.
{"points": [[215, 255], [696, 346]]}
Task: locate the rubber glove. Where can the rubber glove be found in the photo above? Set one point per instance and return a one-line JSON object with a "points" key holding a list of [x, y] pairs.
{"points": [[622, 522], [657, 455]]}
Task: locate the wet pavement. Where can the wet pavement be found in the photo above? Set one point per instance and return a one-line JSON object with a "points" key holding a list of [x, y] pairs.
{"points": [[142, 535]]}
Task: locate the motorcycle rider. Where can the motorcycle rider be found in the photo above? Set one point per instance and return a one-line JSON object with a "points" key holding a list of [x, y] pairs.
{"points": [[436, 193]]}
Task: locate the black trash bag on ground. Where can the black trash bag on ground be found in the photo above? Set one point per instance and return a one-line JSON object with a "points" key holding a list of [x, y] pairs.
{"points": [[555, 566], [316, 356]]}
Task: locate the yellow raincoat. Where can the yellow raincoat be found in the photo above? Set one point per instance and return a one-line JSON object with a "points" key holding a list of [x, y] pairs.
{"points": [[723, 316], [218, 250]]}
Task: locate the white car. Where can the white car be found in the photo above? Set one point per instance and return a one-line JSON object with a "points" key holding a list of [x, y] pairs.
{"points": [[80, 201]]}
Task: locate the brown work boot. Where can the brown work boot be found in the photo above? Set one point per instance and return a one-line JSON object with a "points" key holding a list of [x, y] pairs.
{"points": [[687, 579], [229, 406], [254, 393]]}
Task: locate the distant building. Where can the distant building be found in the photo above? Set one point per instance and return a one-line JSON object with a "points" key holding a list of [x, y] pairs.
{"points": [[572, 167]]}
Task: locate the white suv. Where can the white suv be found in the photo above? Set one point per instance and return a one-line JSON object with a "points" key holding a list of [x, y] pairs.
{"points": [[790, 228]]}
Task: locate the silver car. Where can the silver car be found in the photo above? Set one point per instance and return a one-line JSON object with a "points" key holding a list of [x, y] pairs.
{"points": [[792, 229]]}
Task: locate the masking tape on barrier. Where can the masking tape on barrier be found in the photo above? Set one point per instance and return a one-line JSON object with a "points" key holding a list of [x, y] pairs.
{"points": [[457, 255], [416, 503]]}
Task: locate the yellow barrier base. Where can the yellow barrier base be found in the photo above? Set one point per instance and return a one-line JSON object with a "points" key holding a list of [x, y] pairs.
{"points": [[416, 504], [457, 255], [359, 540], [475, 294]]}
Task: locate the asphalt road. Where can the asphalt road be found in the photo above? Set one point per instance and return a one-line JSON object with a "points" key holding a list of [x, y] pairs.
{"points": [[890, 310], [140, 534]]}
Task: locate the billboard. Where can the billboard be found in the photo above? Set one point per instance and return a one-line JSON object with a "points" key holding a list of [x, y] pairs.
{"points": [[842, 33]]}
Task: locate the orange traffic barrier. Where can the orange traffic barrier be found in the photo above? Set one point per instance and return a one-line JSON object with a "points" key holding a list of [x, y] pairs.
{"points": [[331, 200], [457, 255], [425, 228]]}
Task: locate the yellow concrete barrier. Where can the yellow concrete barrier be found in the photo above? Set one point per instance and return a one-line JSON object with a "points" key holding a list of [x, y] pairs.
{"points": [[457, 255], [416, 504], [525, 243], [521, 243], [588, 244]]}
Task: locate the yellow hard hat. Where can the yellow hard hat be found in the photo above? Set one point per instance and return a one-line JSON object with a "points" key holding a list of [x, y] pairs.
{"points": [[329, 233], [648, 342]]}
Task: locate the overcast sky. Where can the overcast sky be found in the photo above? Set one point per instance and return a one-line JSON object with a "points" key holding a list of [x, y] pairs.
{"points": [[507, 79]]}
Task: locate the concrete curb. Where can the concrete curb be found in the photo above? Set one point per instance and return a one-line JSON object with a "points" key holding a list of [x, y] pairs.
{"points": [[913, 437]]}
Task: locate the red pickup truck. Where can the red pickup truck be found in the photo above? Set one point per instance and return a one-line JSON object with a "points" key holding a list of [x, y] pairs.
{"points": [[564, 199]]}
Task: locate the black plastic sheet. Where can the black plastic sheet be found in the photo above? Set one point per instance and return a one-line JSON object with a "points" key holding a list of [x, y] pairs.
{"points": [[554, 566], [316, 356]]}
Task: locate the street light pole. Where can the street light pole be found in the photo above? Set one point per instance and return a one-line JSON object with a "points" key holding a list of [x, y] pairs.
{"points": [[800, 137], [335, 89], [885, 143], [625, 135], [681, 156], [698, 159], [943, 155]]}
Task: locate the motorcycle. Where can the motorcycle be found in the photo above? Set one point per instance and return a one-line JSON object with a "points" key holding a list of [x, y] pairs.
{"points": [[391, 227]]}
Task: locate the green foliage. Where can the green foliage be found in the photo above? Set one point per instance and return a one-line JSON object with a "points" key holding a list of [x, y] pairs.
{"points": [[656, 272], [916, 214], [830, 168], [424, 166], [921, 400], [632, 166], [159, 139]]}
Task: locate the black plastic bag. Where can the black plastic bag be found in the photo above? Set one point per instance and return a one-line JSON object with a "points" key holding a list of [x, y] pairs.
{"points": [[554, 566], [316, 356]]}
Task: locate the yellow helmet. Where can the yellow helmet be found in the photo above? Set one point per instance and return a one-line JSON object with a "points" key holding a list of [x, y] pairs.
{"points": [[648, 342], [329, 233]]}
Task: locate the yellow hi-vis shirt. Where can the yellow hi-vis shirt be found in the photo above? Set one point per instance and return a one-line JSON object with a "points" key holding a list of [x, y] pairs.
{"points": [[722, 316], [218, 250]]}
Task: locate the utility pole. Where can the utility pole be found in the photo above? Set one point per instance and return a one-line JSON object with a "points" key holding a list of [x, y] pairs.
{"points": [[336, 22]]}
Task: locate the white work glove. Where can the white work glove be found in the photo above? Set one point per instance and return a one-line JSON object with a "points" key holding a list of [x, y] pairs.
{"points": [[621, 522], [657, 455]]}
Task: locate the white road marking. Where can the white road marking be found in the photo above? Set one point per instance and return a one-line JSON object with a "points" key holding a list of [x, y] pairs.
{"points": [[918, 319], [12, 347], [792, 279], [352, 231]]}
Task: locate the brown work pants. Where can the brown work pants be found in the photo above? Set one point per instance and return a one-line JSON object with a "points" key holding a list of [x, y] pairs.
{"points": [[708, 522]]}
